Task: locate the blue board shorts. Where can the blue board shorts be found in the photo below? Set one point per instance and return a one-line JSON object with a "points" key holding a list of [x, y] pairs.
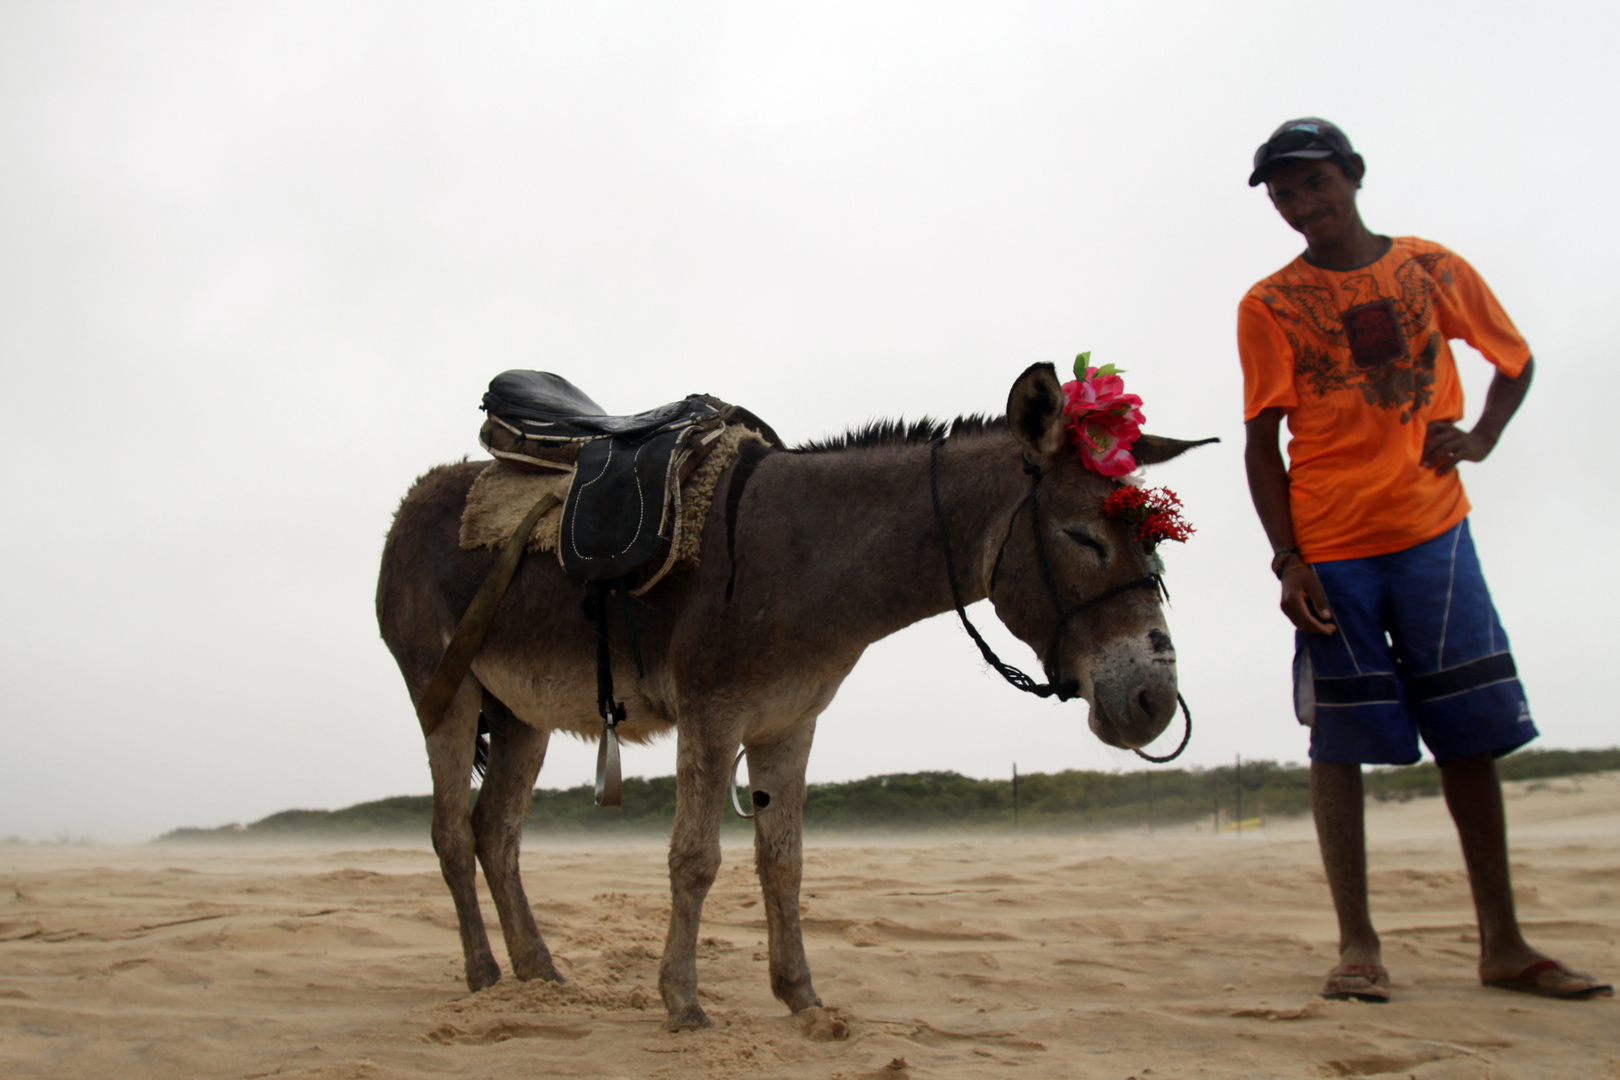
{"points": [[1419, 652]]}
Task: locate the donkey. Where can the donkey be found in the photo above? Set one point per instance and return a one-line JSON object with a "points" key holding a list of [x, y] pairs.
{"points": [[830, 547]]}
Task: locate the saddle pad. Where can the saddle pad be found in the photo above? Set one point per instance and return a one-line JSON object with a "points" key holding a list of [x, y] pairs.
{"points": [[501, 495]]}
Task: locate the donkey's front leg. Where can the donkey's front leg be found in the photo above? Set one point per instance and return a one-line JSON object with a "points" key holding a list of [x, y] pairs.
{"points": [[515, 755], [450, 757], [776, 783], [702, 770]]}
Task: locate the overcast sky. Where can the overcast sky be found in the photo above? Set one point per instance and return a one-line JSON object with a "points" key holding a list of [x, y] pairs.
{"points": [[258, 263]]}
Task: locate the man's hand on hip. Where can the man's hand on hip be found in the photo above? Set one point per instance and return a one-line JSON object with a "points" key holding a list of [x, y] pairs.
{"points": [[1445, 444]]}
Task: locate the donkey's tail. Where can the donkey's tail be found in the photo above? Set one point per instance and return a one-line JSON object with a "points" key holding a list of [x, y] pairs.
{"points": [[493, 716], [481, 748]]}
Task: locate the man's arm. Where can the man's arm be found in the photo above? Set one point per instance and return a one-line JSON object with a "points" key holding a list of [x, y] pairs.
{"points": [[1445, 444], [1303, 599]]}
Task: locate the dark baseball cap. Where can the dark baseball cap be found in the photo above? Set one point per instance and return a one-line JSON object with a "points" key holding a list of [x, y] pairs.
{"points": [[1310, 138]]}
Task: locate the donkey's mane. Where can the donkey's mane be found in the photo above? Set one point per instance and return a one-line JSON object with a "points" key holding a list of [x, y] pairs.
{"points": [[878, 433]]}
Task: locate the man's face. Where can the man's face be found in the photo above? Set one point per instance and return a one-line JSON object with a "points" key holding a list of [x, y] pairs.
{"points": [[1315, 198]]}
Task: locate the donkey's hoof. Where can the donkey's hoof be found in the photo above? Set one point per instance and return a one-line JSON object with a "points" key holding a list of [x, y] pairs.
{"points": [[483, 976], [539, 967], [541, 974], [687, 1018], [822, 1025], [798, 995]]}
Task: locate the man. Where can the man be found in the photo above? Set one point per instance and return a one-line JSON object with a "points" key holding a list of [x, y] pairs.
{"points": [[1396, 634]]}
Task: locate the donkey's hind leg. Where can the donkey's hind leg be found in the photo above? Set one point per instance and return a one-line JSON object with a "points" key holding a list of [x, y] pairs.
{"points": [[515, 755], [776, 783], [450, 756]]}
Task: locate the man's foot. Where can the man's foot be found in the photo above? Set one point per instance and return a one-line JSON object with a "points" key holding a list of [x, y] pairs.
{"points": [[1549, 978], [1357, 982]]}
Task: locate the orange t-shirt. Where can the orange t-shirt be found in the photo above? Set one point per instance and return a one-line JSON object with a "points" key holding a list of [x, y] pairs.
{"points": [[1360, 361]]}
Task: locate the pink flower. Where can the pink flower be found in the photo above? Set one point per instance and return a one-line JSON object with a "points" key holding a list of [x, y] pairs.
{"points": [[1079, 396], [1103, 421], [1105, 443]]}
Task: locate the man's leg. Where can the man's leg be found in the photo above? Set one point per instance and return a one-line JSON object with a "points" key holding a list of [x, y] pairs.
{"points": [[1357, 716], [1471, 707], [1341, 830], [1474, 796]]}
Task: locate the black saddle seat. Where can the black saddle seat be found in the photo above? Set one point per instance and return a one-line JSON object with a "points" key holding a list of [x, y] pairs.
{"points": [[550, 407]]}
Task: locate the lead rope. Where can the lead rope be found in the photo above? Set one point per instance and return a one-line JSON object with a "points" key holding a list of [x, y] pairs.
{"points": [[1186, 715], [1068, 688]]}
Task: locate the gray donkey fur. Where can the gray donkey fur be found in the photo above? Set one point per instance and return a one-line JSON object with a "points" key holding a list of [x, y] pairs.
{"points": [[834, 547]]}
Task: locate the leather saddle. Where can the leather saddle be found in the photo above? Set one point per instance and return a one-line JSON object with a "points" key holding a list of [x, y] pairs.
{"points": [[625, 494], [546, 407]]}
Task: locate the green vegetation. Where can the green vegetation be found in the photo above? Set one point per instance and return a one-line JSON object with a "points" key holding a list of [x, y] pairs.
{"points": [[935, 801]]}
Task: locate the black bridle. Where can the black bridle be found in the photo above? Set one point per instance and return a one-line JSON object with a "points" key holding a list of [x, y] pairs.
{"points": [[1062, 689]]}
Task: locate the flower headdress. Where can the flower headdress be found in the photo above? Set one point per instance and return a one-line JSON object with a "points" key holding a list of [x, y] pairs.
{"points": [[1104, 420]]}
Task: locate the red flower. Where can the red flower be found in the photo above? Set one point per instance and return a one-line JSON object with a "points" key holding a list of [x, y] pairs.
{"points": [[1156, 513]]}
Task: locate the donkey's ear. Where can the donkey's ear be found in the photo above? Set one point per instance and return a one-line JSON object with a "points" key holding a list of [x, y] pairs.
{"points": [[1035, 412], [1156, 449]]}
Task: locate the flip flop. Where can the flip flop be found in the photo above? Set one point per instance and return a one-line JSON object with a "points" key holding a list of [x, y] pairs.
{"points": [[1535, 980], [1357, 982]]}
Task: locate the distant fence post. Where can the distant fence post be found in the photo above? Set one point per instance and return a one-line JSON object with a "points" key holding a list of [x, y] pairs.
{"points": [[1015, 796], [1239, 779], [1150, 802], [1215, 799]]}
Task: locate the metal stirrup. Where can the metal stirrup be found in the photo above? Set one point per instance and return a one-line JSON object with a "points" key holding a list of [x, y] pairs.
{"points": [[736, 803]]}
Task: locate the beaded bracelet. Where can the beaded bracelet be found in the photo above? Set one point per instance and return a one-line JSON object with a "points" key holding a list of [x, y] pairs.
{"points": [[1280, 560]]}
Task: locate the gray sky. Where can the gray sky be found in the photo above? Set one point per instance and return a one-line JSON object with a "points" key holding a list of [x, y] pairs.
{"points": [[258, 262]]}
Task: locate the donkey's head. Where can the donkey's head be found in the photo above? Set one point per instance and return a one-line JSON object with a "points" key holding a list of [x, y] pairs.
{"points": [[1077, 586]]}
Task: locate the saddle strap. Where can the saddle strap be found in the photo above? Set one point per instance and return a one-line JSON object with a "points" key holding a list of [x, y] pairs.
{"points": [[474, 626]]}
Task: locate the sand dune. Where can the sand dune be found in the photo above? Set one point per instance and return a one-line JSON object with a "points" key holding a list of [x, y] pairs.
{"points": [[1116, 956]]}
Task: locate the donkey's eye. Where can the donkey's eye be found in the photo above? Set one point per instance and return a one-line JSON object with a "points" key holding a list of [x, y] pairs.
{"points": [[1085, 539]]}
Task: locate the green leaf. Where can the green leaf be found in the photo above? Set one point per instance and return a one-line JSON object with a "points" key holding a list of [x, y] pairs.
{"points": [[1109, 369], [1082, 364]]}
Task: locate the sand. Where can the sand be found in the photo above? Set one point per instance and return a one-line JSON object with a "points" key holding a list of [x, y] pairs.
{"points": [[1116, 956]]}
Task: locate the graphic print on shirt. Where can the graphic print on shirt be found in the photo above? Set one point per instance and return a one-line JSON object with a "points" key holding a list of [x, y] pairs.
{"points": [[1370, 342], [1317, 366], [1374, 330]]}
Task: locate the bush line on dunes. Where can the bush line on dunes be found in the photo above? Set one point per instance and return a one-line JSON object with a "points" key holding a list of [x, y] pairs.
{"points": [[920, 802]]}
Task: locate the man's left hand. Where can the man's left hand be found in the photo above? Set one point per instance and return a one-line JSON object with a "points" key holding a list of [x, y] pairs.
{"points": [[1445, 444]]}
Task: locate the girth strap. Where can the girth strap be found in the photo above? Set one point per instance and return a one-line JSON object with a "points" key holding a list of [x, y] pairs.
{"points": [[609, 782], [596, 611]]}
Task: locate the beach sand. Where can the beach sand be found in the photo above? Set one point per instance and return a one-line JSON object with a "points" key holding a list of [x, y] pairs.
{"points": [[1177, 955]]}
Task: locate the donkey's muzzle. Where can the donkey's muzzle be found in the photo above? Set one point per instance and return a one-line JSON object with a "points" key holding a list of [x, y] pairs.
{"points": [[1133, 702]]}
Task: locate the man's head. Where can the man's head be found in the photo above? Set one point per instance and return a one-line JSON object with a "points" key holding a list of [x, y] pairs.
{"points": [[1311, 173]]}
